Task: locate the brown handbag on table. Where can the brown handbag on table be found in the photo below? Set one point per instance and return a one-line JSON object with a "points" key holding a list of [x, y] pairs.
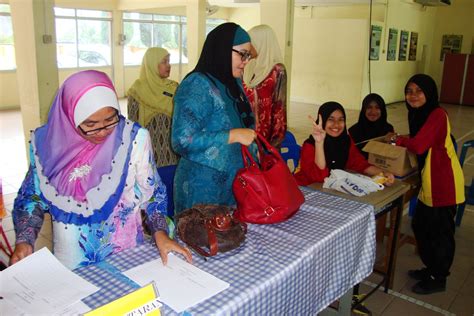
{"points": [[212, 227], [266, 192]]}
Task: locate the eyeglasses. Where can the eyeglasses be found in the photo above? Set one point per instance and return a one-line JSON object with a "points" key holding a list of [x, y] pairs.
{"points": [[97, 130], [244, 56]]}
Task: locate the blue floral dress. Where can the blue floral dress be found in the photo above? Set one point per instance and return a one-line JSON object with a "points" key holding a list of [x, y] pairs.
{"points": [[111, 219], [203, 116]]}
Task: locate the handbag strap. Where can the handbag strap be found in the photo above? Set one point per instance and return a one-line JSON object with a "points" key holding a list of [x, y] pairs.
{"points": [[212, 238], [248, 158]]}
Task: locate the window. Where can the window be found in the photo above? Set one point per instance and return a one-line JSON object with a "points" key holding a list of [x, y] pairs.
{"points": [[7, 48], [144, 30], [152, 30], [83, 38]]}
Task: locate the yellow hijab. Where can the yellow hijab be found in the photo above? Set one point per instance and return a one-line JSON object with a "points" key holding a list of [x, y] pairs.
{"points": [[153, 93], [264, 40]]}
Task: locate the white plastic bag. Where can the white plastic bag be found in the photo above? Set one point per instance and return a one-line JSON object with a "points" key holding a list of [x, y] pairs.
{"points": [[355, 184]]}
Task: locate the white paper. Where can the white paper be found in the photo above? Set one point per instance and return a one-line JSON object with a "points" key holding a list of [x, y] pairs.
{"points": [[40, 284], [75, 309], [180, 284]]}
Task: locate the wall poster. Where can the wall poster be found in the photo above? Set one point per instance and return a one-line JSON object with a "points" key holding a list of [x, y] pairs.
{"points": [[402, 52], [392, 44], [450, 44], [413, 45], [375, 42]]}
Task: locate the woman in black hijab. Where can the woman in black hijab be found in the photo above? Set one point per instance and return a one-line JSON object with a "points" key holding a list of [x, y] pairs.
{"points": [[330, 147], [211, 119], [442, 183], [372, 122]]}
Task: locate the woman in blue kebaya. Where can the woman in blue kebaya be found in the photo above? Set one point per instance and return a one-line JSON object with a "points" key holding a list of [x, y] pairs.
{"points": [[93, 171], [211, 119]]}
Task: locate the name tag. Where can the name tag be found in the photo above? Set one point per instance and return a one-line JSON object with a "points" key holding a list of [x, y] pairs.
{"points": [[168, 94]]}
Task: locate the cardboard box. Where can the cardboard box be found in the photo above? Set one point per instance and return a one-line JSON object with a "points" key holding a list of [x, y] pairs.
{"points": [[395, 159]]}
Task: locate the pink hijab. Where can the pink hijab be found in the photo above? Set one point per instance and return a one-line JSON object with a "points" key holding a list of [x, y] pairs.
{"points": [[72, 164]]}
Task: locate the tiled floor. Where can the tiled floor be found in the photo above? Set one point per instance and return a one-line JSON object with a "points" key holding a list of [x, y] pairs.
{"points": [[459, 297]]}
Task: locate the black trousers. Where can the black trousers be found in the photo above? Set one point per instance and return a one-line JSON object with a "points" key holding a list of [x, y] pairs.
{"points": [[434, 233]]}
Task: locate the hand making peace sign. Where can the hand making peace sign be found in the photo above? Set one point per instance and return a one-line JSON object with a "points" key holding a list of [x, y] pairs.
{"points": [[318, 131]]}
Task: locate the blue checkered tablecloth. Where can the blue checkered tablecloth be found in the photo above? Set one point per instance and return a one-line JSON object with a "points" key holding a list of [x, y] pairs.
{"points": [[293, 268]]}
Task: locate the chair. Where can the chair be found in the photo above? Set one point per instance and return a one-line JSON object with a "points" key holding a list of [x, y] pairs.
{"points": [[470, 190], [290, 151], [167, 176]]}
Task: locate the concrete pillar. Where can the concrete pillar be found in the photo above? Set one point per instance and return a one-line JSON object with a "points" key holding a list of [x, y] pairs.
{"points": [[196, 30], [35, 52]]}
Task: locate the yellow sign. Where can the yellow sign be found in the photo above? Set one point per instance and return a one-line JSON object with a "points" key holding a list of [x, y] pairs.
{"points": [[144, 301]]}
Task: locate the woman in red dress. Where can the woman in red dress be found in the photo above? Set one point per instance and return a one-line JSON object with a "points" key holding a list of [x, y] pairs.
{"points": [[330, 147], [265, 85]]}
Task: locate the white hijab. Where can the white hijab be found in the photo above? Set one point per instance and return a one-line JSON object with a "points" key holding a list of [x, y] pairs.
{"points": [[264, 40]]}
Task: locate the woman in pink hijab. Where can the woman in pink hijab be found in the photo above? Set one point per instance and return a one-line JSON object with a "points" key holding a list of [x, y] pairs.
{"points": [[94, 172]]}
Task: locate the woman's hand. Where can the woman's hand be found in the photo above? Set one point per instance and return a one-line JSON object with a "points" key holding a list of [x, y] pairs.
{"points": [[390, 137], [318, 131], [22, 250], [166, 245], [244, 136], [390, 178]]}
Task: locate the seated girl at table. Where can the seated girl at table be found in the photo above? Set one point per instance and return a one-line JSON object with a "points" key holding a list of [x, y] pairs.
{"points": [[442, 183], [94, 172], [372, 122], [330, 147]]}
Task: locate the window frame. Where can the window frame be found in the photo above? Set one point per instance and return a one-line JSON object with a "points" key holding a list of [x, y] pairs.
{"points": [[76, 18], [8, 14], [181, 22]]}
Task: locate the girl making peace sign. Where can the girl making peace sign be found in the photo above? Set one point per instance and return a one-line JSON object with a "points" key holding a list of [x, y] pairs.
{"points": [[330, 147]]}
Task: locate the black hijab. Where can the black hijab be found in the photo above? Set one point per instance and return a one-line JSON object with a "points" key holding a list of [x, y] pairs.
{"points": [[418, 116], [216, 60], [365, 129], [336, 149]]}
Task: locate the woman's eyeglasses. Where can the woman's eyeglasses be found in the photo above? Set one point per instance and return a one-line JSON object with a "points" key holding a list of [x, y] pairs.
{"points": [[97, 130], [244, 56]]}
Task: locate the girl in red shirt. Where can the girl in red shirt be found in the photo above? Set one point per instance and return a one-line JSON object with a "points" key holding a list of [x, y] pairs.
{"points": [[330, 147], [442, 183]]}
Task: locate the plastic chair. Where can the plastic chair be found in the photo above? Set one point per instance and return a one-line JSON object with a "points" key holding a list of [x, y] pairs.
{"points": [[167, 176], [290, 150], [470, 190]]}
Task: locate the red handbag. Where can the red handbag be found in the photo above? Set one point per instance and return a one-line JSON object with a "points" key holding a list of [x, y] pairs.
{"points": [[266, 193]]}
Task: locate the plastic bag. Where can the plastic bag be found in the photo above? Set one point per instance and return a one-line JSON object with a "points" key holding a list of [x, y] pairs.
{"points": [[355, 184]]}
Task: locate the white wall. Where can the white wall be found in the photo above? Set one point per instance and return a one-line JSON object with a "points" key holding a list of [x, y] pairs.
{"points": [[330, 56], [457, 20], [324, 68], [9, 97]]}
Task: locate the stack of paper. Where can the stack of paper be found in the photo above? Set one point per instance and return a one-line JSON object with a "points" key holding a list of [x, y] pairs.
{"points": [[40, 284]]}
